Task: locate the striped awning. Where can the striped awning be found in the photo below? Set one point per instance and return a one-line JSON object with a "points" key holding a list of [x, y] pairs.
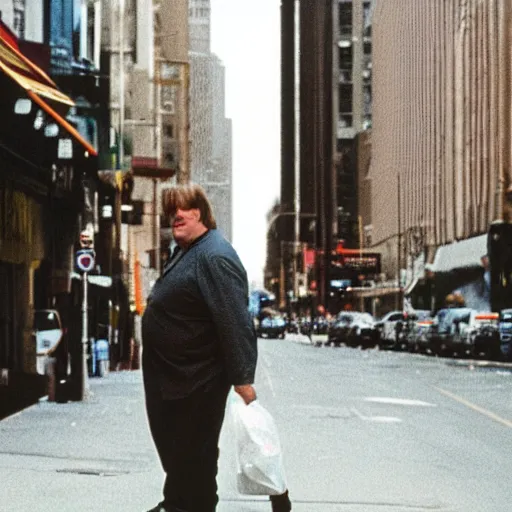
{"points": [[39, 87], [26, 74]]}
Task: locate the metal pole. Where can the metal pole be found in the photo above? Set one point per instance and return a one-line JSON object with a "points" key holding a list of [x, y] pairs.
{"points": [[85, 340], [156, 225], [121, 83], [399, 305], [296, 244]]}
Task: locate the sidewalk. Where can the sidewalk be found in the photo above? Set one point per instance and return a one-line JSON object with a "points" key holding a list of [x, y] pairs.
{"points": [[94, 456]]}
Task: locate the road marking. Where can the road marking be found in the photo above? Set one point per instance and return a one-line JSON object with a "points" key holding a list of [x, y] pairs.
{"points": [[265, 367], [475, 407], [398, 401], [376, 419]]}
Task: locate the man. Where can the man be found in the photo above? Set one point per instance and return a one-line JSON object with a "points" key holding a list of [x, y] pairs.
{"points": [[198, 341]]}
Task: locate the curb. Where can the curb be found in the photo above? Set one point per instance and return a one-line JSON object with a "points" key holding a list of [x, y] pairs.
{"points": [[479, 364]]}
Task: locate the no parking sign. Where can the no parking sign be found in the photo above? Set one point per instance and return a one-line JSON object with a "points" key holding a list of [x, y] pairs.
{"points": [[85, 259]]}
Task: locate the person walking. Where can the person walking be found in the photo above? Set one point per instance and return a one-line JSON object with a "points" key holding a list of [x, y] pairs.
{"points": [[198, 341]]}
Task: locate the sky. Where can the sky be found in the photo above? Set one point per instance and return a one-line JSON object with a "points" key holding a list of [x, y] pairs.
{"points": [[246, 37]]}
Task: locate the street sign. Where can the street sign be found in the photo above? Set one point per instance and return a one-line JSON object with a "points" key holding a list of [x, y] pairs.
{"points": [[86, 240], [85, 260]]}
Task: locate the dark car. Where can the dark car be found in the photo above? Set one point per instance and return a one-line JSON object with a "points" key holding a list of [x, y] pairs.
{"points": [[363, 332], [339, 329], [272, 327], [486, 336], [505, 329]]}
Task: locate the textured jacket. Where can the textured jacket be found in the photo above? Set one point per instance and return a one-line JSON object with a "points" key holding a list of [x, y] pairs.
{"points": [[196, 327]]}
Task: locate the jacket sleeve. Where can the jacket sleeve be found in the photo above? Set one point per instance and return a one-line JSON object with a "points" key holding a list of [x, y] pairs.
{"points": [[223, 284]]}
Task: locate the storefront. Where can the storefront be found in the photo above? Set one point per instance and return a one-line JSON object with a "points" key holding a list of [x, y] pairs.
{"points": [[42, 162]]}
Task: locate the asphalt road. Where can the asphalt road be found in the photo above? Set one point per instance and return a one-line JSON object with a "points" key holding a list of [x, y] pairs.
{"points": [[362, 431], [384, 431]]}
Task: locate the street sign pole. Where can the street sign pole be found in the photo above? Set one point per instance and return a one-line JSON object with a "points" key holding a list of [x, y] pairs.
{"points": [[85, 339], [85, 261]]}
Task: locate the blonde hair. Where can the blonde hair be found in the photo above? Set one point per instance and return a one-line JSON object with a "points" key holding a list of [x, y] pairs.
{"points": [[186, 197]]}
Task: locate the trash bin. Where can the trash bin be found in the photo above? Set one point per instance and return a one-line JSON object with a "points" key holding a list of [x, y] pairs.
{"points": [[101, 358]]}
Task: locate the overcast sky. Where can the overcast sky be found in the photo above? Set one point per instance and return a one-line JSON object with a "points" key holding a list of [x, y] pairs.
{"points": [[246, 36]]}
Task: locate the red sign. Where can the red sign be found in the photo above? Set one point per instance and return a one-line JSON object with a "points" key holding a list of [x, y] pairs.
{"points": [[309, 258]]}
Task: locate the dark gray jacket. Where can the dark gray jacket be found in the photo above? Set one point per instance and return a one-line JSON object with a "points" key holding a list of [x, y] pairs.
{"points": [[196, 327]]}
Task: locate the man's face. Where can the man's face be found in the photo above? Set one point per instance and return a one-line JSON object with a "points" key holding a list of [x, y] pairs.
{"points": [[186, 225]]}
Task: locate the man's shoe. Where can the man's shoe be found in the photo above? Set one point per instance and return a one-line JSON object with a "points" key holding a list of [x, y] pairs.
{"points": [[281, 503], [159, 508]]}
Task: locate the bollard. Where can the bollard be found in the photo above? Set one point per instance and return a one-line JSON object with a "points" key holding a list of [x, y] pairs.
{"points": [[49, 370]]}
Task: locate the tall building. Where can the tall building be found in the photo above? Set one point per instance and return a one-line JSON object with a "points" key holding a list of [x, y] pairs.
{"points": [[308, 202], [200, 25], [353, 108], [441, 130], [326, 113], [210, 130]]}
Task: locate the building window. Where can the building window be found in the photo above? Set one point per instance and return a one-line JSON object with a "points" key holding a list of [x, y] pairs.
{"points": [[169, 131], [19, 23]]}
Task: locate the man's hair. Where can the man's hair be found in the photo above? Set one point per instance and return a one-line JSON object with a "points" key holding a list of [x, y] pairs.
{"points": [[186, 197]]}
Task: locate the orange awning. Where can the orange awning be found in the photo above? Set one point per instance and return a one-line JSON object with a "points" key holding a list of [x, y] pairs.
{"points": [[38, 85], [63, 123], [27, 75]]}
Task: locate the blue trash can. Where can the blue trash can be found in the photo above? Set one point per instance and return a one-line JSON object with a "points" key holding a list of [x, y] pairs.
{"points": [[101, 358]]}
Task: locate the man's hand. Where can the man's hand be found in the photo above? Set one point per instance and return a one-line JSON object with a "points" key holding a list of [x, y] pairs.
{"points": [[247, 392]]}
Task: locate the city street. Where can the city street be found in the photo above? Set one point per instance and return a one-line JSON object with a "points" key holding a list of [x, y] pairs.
{"points": [[366, 431]]}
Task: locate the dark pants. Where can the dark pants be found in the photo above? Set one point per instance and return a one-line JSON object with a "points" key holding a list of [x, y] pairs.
{"points": [[186, 435]]}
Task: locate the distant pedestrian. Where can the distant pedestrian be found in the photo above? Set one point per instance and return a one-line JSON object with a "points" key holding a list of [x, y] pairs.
{"points": [[198, 341]]}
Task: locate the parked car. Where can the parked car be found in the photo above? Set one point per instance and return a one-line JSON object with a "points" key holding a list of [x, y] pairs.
{"points": [[453, 332], [363, 332], [414, 326], [485, 333], [505, 329], [339, 329], [420, 337], [387, 327], [48, 332], [272, 327]]}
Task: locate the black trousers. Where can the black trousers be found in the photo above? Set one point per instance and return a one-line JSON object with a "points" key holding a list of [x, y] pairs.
{"points": [[186, 435]]}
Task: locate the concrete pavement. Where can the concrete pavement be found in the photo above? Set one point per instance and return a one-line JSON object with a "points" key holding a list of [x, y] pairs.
{"points": [[98, 455], [95, 455]]}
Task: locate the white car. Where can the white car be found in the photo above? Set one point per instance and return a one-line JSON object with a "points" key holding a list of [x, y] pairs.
{"points": [[48, 333], [387, 327]]}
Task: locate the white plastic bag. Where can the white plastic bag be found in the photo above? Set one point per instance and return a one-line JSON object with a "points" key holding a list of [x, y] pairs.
{"points": [[260, 468]]}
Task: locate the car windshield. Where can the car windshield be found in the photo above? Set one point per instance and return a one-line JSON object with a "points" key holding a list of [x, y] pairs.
{"points": [[506, 316], [45, 321], [345, 319]]}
